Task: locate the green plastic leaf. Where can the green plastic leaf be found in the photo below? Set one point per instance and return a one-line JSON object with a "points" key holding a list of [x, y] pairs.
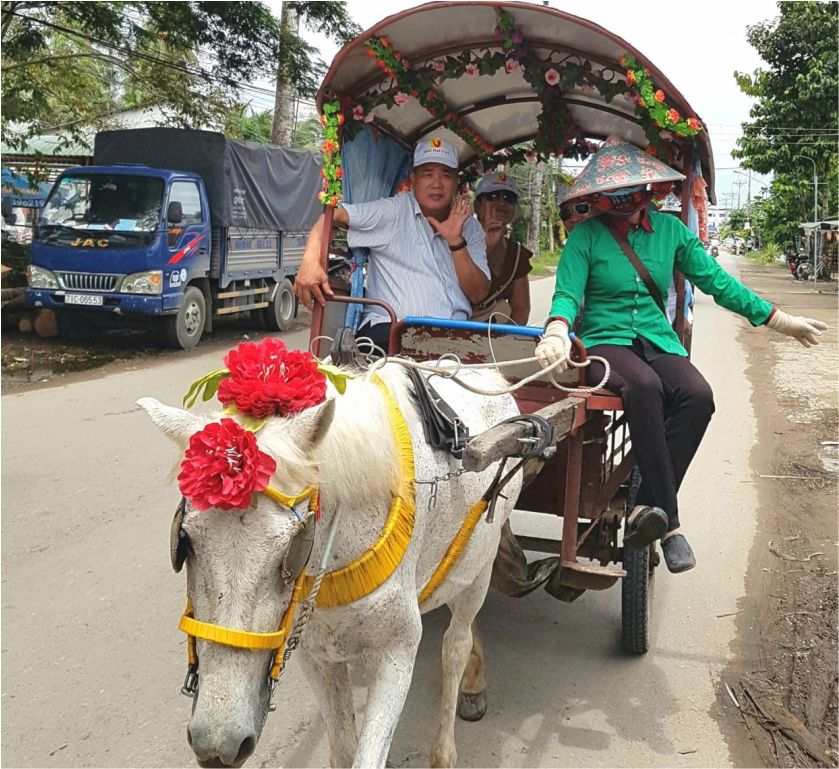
{"points": [[252, 423], [206, 386], [336, 376]]}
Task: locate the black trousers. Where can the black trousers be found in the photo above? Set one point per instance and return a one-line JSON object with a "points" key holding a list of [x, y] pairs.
{"points": [[379, 333], [668, 405]]}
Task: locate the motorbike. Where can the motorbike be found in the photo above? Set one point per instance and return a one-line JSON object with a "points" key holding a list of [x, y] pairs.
{"points": [[799, 266], [715, 251]]}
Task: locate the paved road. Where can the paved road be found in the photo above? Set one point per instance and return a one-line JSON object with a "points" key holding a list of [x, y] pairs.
{"points": [[92, 660]]}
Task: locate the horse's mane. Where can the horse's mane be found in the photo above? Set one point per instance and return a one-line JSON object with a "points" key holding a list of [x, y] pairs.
{"points": [[357, 454]]}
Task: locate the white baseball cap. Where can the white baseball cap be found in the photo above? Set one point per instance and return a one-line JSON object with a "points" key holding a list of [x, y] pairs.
{"points": [[435, 150], [497, 182]]}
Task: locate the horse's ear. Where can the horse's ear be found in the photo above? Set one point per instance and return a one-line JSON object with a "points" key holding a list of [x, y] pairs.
{"points": [[312, 425], [177, 423]]}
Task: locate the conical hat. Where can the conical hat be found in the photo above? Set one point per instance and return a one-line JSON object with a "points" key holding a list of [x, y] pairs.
{"points": [[615, 166]]}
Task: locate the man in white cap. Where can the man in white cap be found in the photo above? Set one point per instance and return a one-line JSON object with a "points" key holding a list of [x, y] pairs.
{"points": [[427, 252]]}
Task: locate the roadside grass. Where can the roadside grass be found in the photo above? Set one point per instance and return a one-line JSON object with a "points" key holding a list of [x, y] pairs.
{"points": [[767, 256], [545, 263]]}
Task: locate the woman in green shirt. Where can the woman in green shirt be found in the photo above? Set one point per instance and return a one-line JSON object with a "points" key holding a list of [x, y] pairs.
{"points": [[667, 402]]}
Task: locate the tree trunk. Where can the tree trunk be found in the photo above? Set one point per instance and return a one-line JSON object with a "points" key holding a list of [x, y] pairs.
{"points": [[535, 226], [285, 101], [8, 10]]}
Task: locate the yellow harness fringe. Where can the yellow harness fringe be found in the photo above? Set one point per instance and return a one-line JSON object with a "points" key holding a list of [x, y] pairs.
{"points": [[455, 550], [373, 567]]}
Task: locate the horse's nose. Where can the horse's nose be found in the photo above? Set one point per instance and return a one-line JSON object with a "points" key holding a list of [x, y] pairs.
{"points": [[232, 749]]}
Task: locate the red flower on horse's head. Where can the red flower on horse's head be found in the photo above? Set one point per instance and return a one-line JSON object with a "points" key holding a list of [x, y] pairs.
{"points": [[266, 380], [223, 467]]}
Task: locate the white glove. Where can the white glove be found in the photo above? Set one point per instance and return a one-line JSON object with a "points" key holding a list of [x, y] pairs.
{"points": [[805, 330], [554, 345]]}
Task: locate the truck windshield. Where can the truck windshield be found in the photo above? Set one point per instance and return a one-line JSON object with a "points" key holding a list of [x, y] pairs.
{"points": [[121, 209]]}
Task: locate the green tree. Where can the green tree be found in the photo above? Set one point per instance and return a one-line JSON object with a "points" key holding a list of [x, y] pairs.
{"points": [[794, 117], [66, 65], [242, 124]]}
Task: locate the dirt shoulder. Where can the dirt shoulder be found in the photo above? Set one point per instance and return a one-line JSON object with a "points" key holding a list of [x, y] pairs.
{"points": [[785, 677]]}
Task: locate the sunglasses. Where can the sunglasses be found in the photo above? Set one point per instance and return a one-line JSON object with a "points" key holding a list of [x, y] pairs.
{"points": [[505, 195], [581, 209]]}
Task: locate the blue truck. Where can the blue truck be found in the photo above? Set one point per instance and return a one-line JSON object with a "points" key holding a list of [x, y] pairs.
{"points": [[173, 228]]}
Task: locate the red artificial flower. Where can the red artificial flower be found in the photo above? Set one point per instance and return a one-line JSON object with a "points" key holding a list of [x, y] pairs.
{"points": [[630, 77], [659, 96], [223, 467], [673, 116], [323, 120], [328, 146], [339, 173], [694, 124], [266, 379], [341, 118], [332, 202]]}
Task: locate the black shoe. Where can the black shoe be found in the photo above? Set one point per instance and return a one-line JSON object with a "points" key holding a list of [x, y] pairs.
{"points": [[649, 525], [677, 554]]}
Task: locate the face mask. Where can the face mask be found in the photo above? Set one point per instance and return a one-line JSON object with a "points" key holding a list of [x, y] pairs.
{"points": [[624, 202]]}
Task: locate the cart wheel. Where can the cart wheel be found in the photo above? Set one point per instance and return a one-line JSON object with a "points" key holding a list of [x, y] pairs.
{"points": [[636, 598]]}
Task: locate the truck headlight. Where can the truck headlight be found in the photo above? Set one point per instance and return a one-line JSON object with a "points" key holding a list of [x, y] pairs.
{"points": [[150, 282], [38, 277]]}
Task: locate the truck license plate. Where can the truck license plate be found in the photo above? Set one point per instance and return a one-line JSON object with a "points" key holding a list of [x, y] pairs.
{"points": [[90, 299]]}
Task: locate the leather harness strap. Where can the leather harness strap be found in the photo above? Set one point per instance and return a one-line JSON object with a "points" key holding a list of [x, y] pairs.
{"points": [[443, 428]]}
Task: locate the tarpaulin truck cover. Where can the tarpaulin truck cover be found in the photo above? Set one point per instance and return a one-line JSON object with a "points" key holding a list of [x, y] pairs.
{"points": [[248, 184]]}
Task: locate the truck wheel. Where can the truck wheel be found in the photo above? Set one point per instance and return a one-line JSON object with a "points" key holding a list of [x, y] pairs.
{"points": [[636, 598], [184, 330], [280, 314], [74, 327]]}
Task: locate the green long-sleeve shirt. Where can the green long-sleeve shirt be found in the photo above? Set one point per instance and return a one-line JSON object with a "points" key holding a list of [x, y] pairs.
{"points": [[618, 306]]}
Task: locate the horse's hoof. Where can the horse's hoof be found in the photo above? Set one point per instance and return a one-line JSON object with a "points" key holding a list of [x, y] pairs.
{"points": [[472, 706]]}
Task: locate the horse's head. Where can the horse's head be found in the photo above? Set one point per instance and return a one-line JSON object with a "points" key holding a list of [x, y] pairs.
{"points": [[241, 565]]}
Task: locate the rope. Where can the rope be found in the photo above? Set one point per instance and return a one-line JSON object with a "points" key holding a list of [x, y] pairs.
{"points": [[377, 362]]}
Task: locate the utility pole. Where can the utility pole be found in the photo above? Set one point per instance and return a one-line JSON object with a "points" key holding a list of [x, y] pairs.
{"points": [[739, 185]]}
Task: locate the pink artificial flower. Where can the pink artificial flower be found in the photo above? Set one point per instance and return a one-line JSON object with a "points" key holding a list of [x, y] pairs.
{"points": [[551, 76], [530, 156], [368, 118], [400, 98], [358, 112], [471, 70], [511, 65], [438, 65]]}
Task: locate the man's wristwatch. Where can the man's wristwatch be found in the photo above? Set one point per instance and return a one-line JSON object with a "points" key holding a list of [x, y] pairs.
{"points": [[458, 246]]}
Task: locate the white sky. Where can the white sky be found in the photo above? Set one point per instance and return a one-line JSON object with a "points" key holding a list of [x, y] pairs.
{"points": [[699, 61]]}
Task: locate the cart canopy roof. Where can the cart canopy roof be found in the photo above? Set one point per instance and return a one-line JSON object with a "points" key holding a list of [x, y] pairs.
{"points": [[487, 76]]}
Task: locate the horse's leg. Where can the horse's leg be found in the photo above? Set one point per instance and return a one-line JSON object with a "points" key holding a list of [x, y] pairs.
{"points": [[389, 678], [472, 702], [457, 646], [330, 682]]}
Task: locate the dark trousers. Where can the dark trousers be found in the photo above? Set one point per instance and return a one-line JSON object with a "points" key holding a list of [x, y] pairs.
{"points": [[379, 333], [668, 405]]}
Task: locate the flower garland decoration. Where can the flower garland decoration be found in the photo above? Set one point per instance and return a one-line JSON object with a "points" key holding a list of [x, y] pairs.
{"points": [[555, 124], [662, 121], [223, 465], [421, 87], [332, 119]]}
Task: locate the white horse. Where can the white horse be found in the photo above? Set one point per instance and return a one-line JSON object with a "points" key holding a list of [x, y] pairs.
{"points": [[347, 449]]}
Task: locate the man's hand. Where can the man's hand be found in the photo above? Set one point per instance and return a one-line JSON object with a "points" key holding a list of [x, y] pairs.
{"points": [[312, 283], [494, 230], [452, 228], [805, 330], [555, 345]]}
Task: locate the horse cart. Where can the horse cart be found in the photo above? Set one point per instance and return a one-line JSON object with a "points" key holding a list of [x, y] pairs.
{"points": [[266, 481], [508, 84]]}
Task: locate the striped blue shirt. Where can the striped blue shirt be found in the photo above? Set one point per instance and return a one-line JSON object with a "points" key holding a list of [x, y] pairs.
{"points": [[411, 267]]}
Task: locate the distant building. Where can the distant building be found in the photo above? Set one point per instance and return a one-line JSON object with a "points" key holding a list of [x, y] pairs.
{"points": [[718, 217]]}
